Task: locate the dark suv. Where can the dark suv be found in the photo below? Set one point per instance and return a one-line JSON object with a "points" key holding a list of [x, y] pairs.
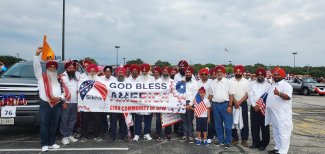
{"points": [[20, 80], [307, 86]]}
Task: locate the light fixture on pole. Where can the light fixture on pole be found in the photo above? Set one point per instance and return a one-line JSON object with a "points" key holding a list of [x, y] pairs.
{"points": [[124, 60], [294, 58], [117, 47]]}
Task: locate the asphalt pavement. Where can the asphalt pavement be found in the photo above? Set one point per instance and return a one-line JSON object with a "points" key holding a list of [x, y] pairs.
{"points": [[308, 137]]}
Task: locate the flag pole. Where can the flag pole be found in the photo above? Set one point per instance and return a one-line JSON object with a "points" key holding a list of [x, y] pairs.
{"points": [[224, 57]]}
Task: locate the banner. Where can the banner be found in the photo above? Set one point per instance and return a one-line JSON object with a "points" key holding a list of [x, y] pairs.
{"points": [[131, 97], [168, 119]]}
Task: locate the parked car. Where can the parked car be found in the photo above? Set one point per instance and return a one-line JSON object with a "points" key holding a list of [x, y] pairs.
{"points": [[19, 80], [306, 86]]}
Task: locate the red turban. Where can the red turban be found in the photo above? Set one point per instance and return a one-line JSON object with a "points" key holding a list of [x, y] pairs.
{"points": [[204, 70], [220, 67], [69, 63], [212, 70], [127, 66], [280, 71], [92, 67], [260, 71], [202, 90], [165, 68], [158, 69], [188, 68], [173, 69], [120, 69], [182, 64], [134, 66], [241, 68], [145, 67], [86, 61], [52, 62]]}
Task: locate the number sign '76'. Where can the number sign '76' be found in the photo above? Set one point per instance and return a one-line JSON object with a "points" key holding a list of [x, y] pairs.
{"points": [[8, 111]]}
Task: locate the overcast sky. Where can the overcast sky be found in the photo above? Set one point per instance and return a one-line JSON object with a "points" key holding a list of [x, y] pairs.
{"points": [[253, 31]]}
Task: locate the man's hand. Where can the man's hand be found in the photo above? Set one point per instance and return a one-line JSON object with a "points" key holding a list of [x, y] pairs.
{"points": [[229, 109], [208, 120], [64, 106], [257, 108], [237, 104], [39, 51], [55, 99], [276, 91]]}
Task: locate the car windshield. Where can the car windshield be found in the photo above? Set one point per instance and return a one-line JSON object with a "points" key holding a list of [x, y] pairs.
{"points": [[25, 70], [309, 80]]}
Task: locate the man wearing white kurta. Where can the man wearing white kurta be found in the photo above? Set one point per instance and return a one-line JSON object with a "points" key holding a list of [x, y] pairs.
{"points": [[144, 77], [240, 97], [69, 80], [279, 111], [256, 89]]}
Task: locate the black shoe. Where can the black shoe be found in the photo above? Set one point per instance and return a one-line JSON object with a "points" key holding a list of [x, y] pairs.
{"points": [[218, 144], [253, 147], [125, 139], [261, 148], [227, 146], [273, 151]]}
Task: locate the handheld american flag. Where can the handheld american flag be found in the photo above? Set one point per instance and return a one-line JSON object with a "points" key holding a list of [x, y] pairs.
{"points": [[200, 107], [261, 103]]}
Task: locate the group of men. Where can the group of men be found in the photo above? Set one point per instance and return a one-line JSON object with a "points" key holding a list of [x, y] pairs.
{"points": [[230, 101]]}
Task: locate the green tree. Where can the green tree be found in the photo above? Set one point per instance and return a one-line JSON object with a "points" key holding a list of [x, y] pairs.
{"points": [[9, 60], [229, 70], [136, 61], [162, 63], [317, 73]]}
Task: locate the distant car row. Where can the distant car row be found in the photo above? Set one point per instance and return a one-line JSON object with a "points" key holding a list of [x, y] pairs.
{"points": [[307, 86]]}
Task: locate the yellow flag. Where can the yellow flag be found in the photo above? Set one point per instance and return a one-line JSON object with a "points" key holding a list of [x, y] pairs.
{"points": [[47, 53]]}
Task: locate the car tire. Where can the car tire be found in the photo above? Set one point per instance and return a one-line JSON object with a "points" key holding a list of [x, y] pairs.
{"points": [[305, 91], [321, 94]]}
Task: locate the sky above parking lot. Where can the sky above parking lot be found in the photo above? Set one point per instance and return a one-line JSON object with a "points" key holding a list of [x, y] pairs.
{"points": [[253, 31]]}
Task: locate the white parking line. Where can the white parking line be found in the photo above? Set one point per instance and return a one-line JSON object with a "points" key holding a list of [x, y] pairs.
{"points": [[68, 149]]}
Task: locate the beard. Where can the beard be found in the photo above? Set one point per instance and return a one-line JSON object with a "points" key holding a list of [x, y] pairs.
{"points": [[238, 76], [120, 78], [172, 76], [165, 76], [182, 72], [260, 80], [92, 76], [188, 78], [72, 75], [53, 77], [277, 79]]}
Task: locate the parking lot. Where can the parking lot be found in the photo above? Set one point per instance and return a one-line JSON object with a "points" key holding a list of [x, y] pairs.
{"points": [[308, 137]]}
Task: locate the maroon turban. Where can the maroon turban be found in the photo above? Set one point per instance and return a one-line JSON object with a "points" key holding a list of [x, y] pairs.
{"points": [[52, 62]]}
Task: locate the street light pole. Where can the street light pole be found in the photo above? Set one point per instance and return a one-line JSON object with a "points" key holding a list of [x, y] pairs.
{"points": [[63, 20], [124, 60], [294, 59], [117, 47]]}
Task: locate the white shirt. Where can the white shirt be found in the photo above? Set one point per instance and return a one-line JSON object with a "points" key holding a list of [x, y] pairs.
{"points": [[206, 85], [241, 88], [111, 78], [179, 77], [256, 90], [221, 89], [279, 110], [72, 86], [142, 78], [56, 89], [207, 104], [191, 90]]}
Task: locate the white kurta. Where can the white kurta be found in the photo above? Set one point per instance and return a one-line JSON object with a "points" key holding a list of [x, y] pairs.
{"points": [[147, 78], [72, 86], [56, 89], [256, 90], [279, 114], [206, 85]]}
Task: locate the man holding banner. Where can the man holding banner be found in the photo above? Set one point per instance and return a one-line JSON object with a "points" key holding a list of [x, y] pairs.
{"points": [[187, 118], [144, 77], [256, 89]]}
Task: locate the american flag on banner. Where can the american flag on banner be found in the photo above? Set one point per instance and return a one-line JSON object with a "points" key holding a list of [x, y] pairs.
{"points": [[200, 107], [87, 85], [261, 103]]}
